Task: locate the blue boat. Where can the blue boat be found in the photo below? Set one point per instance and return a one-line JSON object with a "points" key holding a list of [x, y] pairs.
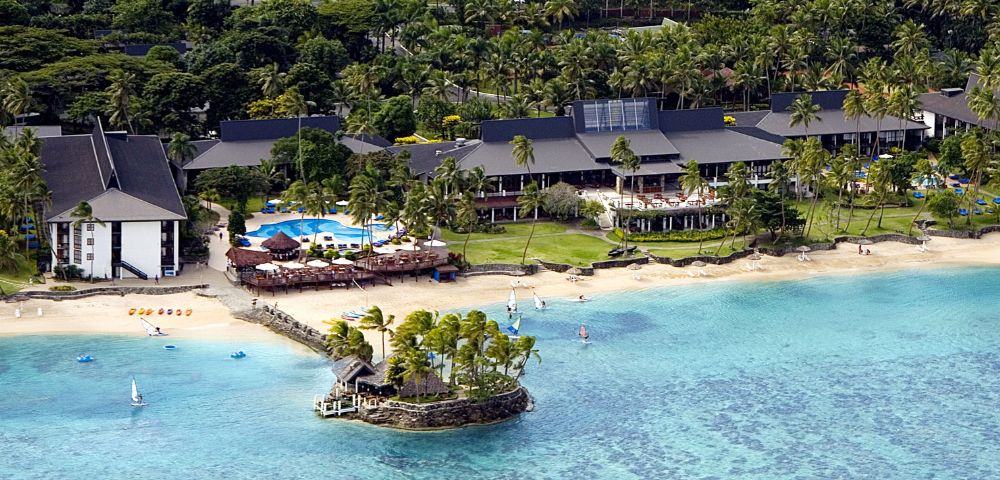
{"points": [[238, 355], [84, 358]]}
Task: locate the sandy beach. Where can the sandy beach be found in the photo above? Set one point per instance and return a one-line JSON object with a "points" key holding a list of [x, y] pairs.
{"points": [[212, 319]]}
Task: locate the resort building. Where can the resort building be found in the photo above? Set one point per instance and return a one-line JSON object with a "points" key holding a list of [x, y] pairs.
{"points": [[576, 150], [830, 125], [947, 111], [246, 142], [137, 210]]}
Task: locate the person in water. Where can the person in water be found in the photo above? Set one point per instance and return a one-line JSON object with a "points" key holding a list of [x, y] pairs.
{"points": [[158, 332], [582, 297], [543, 303], [140, 398]]}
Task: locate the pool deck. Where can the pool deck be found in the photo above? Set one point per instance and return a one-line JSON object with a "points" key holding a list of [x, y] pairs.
{"points": [[261, 219]]}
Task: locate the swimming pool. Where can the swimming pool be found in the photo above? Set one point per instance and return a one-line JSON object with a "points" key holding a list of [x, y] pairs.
{"points": [[890, 376], [309, 226]]}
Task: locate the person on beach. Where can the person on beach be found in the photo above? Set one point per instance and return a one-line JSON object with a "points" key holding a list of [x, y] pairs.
{"points": [[859, 249], [868, 252], [220, 235]]}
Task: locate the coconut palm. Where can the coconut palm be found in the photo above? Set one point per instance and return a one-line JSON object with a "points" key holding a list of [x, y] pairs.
{"points": [[841, 175], [16, 97], [692, 183], [977, 160], [296, 194], [439, 205], [466, 217], [417, 367], [903, 102], [122, 89], [367, 198], [560, 10], [526, 350], [477, 182], [180, 149], [293, 103], [375, 320], [621, 152], [10, 257], [449, 173], [854, 109], [923, 172], [84, 213], [271, 81], [530, 200], [209, 196], [780, 176], [803, 112], [523, 153]]}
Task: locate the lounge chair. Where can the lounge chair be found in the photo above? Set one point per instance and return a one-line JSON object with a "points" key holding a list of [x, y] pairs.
{"points": [[980, 201], [965, 181], [953, 177], [918, 195], [977, 211], [963, 212], [960, 191], [300, 210]]}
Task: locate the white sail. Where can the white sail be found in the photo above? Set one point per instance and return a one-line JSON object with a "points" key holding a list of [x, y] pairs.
{"points": [[513, 329], [135, 392], [150, 329], [512, 301], [538, 301]]}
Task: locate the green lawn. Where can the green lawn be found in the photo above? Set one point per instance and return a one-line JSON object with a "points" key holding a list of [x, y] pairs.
{"points": [[550, 243], [12, 282]]}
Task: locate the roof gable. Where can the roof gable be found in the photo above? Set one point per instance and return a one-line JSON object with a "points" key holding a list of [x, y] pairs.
{"points": [[143, 171], [71, 170], [533, 128], [271, 129], [116, 206], [692, 119]]}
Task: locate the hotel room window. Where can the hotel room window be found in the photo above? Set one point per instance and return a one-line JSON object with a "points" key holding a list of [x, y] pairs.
{"points": [[90, 256], [90, 241], [90, 227]]}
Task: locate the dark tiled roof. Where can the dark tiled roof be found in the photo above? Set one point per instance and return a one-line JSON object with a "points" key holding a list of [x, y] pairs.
{"points": [[431, 385], [424, 158], [377, 377], [275, 128], [246, 153], [749, 119], [693, 119], [533, 128], [830, 122], [101, 151], [956, 107], [723, 146], [143, 171], [758, 133], [643, 142], [280, 241], [116, 206], [243, 258], [70, 171], [827, 100], [551, 155]]}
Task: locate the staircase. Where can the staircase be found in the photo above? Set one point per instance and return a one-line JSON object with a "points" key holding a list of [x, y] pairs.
{"points": [[135, 271]]}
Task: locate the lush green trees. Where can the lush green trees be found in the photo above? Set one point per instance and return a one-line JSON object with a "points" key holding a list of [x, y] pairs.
{"points": [[561, 200], [343, 340], [147, 16], [28, 48], [944, 203], [13, 13], [322, 155], [237, 183], [375, 320], [169, 99], [692, 183], [395, 119], [10, 256]]}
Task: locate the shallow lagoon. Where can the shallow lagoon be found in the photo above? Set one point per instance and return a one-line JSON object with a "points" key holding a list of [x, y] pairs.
{"points": [[886, 376]]}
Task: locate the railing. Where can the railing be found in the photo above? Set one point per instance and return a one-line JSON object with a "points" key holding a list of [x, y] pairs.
{"points": [[132, 268]]}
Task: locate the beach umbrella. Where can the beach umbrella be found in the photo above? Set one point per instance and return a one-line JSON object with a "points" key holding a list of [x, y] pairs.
{"points": [[342, 203], [342, 261], [803, 249], [634, 266], [574, 271], [275, 201], [802, 252], [864, 241], [754, 259], [317, 263], [700, 265], [293, 265], [435, 243], [267, 267]]}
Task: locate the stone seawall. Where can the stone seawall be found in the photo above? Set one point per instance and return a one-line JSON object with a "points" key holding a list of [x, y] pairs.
{"points": [[447, 414], [284, 324], [89, 292]]}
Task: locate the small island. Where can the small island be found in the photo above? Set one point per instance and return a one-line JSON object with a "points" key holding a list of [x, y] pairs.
{"points": [[443, 371]]}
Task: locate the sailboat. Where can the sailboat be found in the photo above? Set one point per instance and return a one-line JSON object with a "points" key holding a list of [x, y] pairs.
{"points": [[584, 337], [512, 301], [150, 328], [136, 396], [515, 327], [539, 304]]}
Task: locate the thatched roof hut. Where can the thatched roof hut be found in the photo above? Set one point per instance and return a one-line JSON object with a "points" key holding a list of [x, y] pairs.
{"points": [[243, 259], [379, 384], [431, 385], [350, 368], [280, 242]]}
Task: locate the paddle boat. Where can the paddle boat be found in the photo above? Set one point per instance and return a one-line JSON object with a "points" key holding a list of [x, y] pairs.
{"points": [[179, 312], [142, 311], [170, 347], [238, 355], [161, 311], [131, 311], [170, 311], [84, 358], [187, 312]]}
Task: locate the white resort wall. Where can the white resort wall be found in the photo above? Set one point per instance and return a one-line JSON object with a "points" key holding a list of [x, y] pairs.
{"points": [[101, 250], [140, 247], [929, 121]]}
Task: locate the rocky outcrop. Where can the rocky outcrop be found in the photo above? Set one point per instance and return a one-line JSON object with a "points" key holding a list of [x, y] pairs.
{"points": [[448, 413], [89, 292], [284, 324]]}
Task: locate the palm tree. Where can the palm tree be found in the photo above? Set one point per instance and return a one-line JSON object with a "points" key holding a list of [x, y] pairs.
{"points": [[854, 109], [526, 350], [737, 192], [84, 213], [503, 351], [904, 101], [477, 182], [417, 367], [438, 205], [209, 196], [449, 173], [621, 152], [271, 81], [293, 103], [691, 183], [375, 320], [803, 111], [879, 178], [297, 193], [122, 89], [517, 106], [10, 258], [180, 149], [876, 106], [814, 159], [560, 10], [977, 160], [840, 177], [923, 172], [16, 96], [523, 153], [466, 217], [780, 175], [530, 200], [367, 198]]}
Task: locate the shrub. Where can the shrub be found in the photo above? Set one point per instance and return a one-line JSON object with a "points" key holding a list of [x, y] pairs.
{"points": [[330, 254], [67, 271], [410, 140], [675, 235], [729, 120], [395, 241], [588, 223], [62, 288]]}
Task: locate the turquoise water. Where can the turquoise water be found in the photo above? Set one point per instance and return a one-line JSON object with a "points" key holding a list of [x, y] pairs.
{"points": [[892, 376], [309, 226]]}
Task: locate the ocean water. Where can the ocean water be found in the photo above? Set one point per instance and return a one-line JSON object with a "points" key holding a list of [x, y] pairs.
{"points": [[310, 226], [891, 376]]}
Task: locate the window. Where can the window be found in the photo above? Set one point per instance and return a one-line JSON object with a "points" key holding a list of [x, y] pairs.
{"points": [[90, 241], [849, 137], [90, 256], [90, 227], [616, 115]]}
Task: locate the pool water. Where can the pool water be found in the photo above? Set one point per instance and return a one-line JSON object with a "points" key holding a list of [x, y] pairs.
{"points": [[892, 376], [310, 226]]}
